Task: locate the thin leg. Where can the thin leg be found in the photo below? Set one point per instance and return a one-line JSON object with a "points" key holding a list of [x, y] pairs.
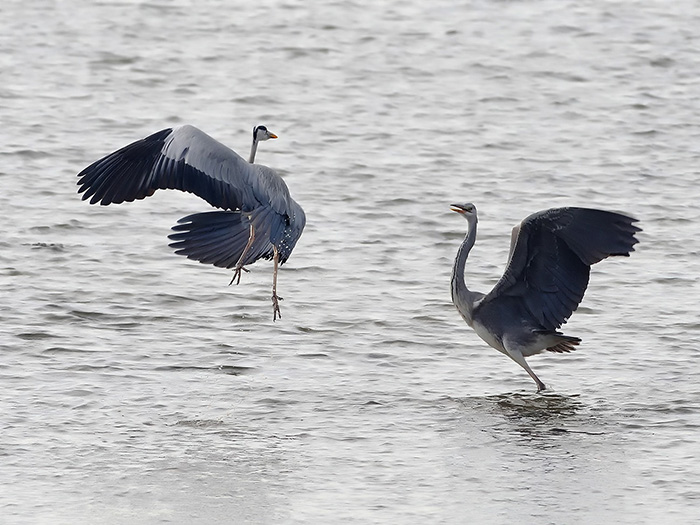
{"points": [[275, 299], [518, 357], [239, 264]]}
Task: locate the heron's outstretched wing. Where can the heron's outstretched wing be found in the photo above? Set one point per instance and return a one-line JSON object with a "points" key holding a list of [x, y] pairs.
{"points": [[220, 237], [550, 260], [182, 158]]}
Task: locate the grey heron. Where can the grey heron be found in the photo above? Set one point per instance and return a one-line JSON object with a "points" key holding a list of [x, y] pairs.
{"points": [[257, 217], [547, 273]]}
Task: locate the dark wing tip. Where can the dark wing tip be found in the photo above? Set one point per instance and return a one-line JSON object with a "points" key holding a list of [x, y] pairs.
{"points": [[124, 175]]}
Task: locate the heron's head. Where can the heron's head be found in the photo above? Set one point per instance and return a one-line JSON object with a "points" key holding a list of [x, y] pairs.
{"points": [[467, 210], [262, 133]]}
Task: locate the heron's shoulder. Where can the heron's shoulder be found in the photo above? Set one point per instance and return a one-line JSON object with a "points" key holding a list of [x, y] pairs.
{"points": [[266, 171], [542, 215], [184, 129], [269, 179], [190, 133], [551, 219], [479, 300], [270, 186]]}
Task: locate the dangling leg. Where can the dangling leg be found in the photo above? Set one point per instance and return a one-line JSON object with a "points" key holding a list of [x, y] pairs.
{"points": [[517, 356], [239, 264], [275, 299]]}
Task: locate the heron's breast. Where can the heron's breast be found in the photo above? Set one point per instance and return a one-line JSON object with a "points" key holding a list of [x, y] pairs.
{"points": [[488, 336]]}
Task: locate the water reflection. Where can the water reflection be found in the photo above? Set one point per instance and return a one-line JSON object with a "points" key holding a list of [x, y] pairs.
{"points": [[532, 417], [536, 407], [542, 407]]}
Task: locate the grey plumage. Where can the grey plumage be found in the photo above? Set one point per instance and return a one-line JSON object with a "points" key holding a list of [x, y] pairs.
{"points": [[259, 218], [545, 279]]}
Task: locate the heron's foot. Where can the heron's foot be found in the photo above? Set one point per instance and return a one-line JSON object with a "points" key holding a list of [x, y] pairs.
{"points": [[237, 274], [276, 307]]}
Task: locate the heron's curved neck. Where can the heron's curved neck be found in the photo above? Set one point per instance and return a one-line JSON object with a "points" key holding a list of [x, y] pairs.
{"points": [[253, 149], [462, 297]]}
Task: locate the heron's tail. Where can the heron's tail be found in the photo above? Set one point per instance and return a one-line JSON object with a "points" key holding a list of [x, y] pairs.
{"points": [[218, 238], [566, 343]]}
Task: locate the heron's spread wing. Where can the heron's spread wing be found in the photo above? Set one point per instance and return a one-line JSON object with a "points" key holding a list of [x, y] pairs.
{"points": [[182, 158], [551, 257], [218, 238]]}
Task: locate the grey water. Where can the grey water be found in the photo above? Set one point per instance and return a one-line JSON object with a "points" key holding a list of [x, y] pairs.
{"points": [[138, 387]]}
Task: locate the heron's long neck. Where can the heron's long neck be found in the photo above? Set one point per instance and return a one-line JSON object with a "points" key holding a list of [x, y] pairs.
{"points": [[462, 297], [253, 149]]}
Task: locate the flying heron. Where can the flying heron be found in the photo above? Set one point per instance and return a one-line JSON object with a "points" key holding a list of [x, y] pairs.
{"points": [[258, 219], [551, 253]]}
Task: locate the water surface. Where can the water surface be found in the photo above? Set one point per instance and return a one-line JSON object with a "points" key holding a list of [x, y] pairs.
{"points": [[139, 387]]}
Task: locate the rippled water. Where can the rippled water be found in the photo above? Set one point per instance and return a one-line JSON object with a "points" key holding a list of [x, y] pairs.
{"points": [[139, 387]]}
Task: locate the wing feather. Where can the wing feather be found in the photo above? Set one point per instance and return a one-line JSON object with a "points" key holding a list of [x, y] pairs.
{"points": [[182, 158], [216, 237], [550, 258]]}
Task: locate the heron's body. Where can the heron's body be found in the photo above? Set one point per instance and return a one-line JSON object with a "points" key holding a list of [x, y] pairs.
{"points": [[257, 217], [545, 279]]}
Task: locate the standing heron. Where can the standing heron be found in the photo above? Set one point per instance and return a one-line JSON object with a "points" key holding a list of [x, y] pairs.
{"points": [[551, 253], [258, 219]]}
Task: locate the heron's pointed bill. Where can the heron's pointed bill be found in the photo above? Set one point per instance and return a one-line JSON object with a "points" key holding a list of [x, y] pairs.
{"points": [[457, 208], [271, 135]]}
